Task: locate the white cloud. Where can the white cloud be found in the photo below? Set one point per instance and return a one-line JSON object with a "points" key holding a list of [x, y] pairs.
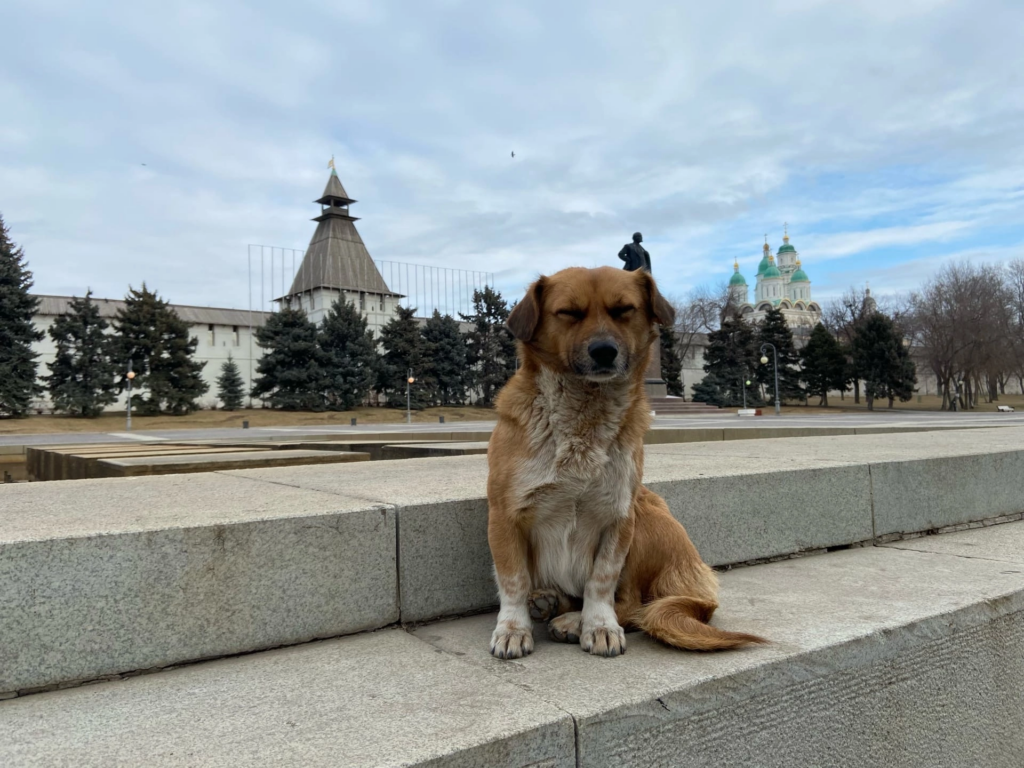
{"points": [[893, 124]]}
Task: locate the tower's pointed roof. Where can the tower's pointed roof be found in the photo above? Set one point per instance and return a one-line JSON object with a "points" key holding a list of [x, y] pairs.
{"points": [[334, 193], [337, 257], [764, 259]]}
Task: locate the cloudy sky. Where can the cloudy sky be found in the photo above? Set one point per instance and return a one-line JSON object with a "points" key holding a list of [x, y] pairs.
{"points": [[154, 141]]}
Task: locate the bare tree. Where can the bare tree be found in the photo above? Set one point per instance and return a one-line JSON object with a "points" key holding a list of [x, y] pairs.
{"points": [[963, 321], [697, 315], [1015, 286], [843, 316]]}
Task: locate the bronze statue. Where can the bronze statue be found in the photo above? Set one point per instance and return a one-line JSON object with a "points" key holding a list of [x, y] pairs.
{"points": [[635, 255]]}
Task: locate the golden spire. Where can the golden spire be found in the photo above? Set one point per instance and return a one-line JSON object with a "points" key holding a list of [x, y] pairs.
{"points": [[331, 164], [798, 263], [785, 232], [771, 259], [736, 265]]}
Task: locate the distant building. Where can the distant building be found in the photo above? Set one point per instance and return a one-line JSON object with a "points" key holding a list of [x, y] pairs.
{"points": [[220, 332], [338, 266], [784, 286]]}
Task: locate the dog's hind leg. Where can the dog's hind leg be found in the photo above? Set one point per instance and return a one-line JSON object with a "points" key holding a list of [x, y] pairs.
{"points": [[546, 604], [566, 628]]}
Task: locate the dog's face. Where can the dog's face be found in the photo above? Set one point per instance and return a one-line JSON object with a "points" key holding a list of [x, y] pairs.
{"points": [[593, 323]]}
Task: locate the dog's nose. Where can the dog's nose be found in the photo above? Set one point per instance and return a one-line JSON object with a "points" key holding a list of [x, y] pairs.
{"points": [[603, 352]]}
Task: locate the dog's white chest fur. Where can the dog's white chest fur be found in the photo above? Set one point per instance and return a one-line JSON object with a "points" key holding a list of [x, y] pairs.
{"points": [[579, 478]]}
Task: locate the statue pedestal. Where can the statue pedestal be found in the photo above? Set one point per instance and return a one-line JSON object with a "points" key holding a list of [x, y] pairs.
{"points": [[653, 383]]}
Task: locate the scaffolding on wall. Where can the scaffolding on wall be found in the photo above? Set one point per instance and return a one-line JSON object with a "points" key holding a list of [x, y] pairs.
{"points": [[427, 288]]}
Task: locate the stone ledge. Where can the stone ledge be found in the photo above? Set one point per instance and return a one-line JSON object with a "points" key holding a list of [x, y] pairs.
{"points": [[880, 657], [114, 576], [382, 699], [137, 573]]}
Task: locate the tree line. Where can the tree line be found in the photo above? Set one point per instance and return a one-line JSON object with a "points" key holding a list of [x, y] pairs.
{"points": [[868, 350], [336, 365]]}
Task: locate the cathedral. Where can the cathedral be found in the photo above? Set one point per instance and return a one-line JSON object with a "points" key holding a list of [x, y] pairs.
{"points": [[784, 285]]}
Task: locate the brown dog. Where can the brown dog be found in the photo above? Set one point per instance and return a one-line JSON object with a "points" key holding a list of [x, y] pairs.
{"points": [[574, 535]]}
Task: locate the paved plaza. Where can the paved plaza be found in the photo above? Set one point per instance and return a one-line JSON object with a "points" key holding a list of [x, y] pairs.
{"points": [[726, 420]]}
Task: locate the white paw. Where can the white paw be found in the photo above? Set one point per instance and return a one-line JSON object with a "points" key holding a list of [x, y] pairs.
{"points": [[511, 642], [604, 640], [566, 628]]}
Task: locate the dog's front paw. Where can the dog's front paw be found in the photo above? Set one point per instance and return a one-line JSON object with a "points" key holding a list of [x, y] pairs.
{"points": [[566, 628], [604, 640], [511, 642]]}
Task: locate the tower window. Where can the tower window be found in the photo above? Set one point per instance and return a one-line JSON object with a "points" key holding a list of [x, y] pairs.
{"points": [[211, 334], [234, 336]]}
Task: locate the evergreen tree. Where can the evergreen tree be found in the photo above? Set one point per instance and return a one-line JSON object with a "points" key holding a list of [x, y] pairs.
{"points": [[730, 359], [81, 380], [156, 341], [18, 385], [349, 356], [491, 350], [712, 390], [671, 364], [175, 379], [775, 330], [230, 385], [290, 373], [882, 362], [403, 348], [824, 364], [444, 360]]}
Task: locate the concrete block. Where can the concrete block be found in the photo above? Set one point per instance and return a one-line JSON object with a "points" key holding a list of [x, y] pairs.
{"points": [[444, 561], [215, 461], [382, 699], [878, 658], [82, 465], [99, 577], [919, 495], [432, 450], [734, 513]]}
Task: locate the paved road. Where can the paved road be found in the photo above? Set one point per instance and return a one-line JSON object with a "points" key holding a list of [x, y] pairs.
{"points": [[725, 420]]}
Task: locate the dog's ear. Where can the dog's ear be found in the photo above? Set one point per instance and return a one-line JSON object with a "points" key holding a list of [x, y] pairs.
{"points": [[525, 316], [658, 307]]}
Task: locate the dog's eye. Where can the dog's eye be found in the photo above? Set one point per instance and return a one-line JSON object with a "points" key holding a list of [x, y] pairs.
{"points": [[575, 314], [621, 312]]}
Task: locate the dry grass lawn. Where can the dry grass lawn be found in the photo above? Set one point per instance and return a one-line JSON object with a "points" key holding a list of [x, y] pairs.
{"points": [[115, 422]]}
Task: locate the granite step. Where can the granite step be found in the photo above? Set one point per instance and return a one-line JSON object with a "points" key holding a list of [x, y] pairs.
{"points": [[904, 655]]}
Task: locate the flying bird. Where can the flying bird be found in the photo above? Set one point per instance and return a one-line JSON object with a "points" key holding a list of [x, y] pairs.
{"points": [[513, 154]]}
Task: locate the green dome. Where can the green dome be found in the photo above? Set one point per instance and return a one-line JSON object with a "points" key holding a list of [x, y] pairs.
{"points": [[787, 248], [799, 277], [771, 271], [737, 279], [763, 265]]}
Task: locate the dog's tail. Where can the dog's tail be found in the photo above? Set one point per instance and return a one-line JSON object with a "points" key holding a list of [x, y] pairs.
{"points": [[681, 622]]}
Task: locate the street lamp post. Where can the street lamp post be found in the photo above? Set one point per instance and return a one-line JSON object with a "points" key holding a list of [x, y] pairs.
{"points": [[408, 398], [764, 361], [130, 375], [743, 379]]}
